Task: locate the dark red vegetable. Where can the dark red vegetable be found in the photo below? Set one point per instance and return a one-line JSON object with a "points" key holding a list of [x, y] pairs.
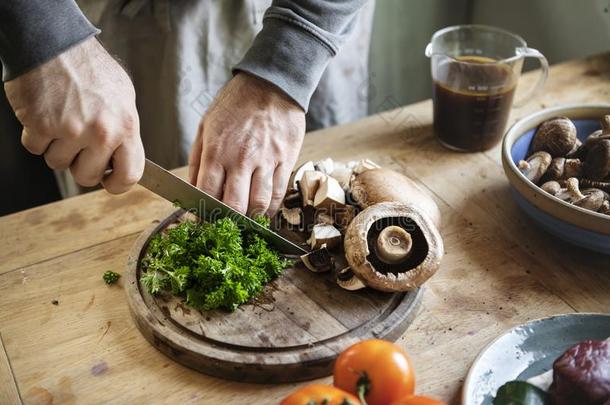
{"points": [[582, 375]]}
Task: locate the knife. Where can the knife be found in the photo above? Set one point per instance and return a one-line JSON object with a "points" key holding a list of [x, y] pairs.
{"points": [[174, 189]]}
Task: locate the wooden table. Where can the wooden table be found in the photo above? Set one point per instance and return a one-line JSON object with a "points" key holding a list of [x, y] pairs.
{"points": [[67, 338]]}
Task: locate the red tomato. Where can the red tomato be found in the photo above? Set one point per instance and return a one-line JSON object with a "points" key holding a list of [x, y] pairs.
{"points": [[375, 370], [417, 400], [320, 394]]}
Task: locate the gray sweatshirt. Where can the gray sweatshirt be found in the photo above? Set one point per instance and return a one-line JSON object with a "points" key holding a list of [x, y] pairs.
{"points": [[298, 39]]}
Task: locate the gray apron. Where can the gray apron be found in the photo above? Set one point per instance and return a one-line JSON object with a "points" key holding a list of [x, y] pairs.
{"points": [[179, 54]]}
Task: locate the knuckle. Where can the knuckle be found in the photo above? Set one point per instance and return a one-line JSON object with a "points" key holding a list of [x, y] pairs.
{"points": [[72, 130], [56, 163], [259, 202], [103, 132], [86, 179]]}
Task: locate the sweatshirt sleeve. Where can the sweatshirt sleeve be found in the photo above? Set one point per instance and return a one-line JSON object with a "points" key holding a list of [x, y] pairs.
{"points": [[298, 39], [34, 31]]}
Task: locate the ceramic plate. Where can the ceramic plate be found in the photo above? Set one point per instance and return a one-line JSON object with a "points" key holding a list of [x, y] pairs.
{"points": [[528, 350]]}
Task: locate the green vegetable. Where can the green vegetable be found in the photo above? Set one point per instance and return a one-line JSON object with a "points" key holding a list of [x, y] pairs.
{"points": [[110, 277], [520, 393], [210, 265]]}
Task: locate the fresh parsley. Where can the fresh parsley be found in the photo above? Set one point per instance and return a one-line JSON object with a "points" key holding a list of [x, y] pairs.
{"points": [[211, 265], [110, 277]]}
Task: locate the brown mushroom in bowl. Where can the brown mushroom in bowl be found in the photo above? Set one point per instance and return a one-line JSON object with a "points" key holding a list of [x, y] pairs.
{"points": [[393, 246], [556, 136]]}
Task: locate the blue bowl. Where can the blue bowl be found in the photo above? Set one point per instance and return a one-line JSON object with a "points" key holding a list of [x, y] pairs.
{"points": [[573, 224]]}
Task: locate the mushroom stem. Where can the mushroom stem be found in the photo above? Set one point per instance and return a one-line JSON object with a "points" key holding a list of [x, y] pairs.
{"points": [[393, 244], [574, 190]]}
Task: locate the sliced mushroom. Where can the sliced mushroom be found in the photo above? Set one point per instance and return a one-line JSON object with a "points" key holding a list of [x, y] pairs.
{"points": [[362, 247], [325, 166], [343, 175], [591, 199], [324, 234], [348, 280], [292, 199], [384, 185], [329, 196], [552, 187], [319, 260], [597, 163], [293, 216], [364, 165], [344, 216], [323, 217], [309, 185], [556, 136], [535, 166], [298, 174]]}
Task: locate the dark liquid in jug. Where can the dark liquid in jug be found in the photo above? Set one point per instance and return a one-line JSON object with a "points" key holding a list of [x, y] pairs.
{"points": [[473, 116]]}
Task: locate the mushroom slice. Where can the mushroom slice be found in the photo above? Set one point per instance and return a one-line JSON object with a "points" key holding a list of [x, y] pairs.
{"points": [[364, 165], [556, 136], [293, 216], [349, 281], [309, 185], [329, 196], [323, 217], [362, 254], [385, 185], [323, 234], [343, 175], [325, 166], [292, 199], [535, 166], [319, 260], [298, 173], [597, 163], [345, 215]]}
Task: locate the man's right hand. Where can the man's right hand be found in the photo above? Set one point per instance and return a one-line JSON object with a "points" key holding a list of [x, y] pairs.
{"points": [[78, 110]]}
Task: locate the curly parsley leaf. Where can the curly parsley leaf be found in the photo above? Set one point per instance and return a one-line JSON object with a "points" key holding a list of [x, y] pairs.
{"points": [[211, 266]]}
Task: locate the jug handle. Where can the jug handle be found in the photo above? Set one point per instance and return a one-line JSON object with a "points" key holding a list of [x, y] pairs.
{"points": [[544, 73]]}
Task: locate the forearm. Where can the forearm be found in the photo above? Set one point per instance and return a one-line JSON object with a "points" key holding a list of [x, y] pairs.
{"points": [[34, 31], [297, 41]]}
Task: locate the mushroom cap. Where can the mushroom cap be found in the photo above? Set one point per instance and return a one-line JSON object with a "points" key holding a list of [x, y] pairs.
{"points": [[555, 170], [556, 136], [421, 264], [597, 163], [593, 199], [383, 185], [552, 187]]}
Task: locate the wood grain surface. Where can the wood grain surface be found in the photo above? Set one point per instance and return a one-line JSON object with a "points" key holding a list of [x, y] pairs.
{"points": [[499, 270], [293, 331]]}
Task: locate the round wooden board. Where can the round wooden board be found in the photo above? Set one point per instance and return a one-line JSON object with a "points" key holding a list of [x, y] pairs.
{"points": [[293, 332]]}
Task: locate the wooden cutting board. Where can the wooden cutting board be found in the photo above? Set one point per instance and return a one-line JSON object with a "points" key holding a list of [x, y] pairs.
{"points": [[292, 332]]}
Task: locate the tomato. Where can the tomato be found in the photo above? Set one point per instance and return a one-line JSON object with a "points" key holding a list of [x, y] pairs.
{"points": [[320, 394], [417, 400], [377, 371]]}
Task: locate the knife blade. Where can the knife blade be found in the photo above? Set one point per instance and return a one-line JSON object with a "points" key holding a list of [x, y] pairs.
{"points": [[174, 189]]}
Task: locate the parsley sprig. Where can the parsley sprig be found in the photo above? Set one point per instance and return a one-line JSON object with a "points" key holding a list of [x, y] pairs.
{"points": [[211, 265]]}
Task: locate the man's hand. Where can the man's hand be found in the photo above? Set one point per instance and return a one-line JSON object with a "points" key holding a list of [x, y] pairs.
{"points": [[247, 144], [78, 110]]}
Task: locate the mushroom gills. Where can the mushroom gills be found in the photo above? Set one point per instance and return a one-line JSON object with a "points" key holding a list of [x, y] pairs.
{"points": [[318, 260], [347, 280], [416, 253]]}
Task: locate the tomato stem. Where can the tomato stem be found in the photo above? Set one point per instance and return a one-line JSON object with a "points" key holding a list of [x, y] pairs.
{"points": [[364, 386]]}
